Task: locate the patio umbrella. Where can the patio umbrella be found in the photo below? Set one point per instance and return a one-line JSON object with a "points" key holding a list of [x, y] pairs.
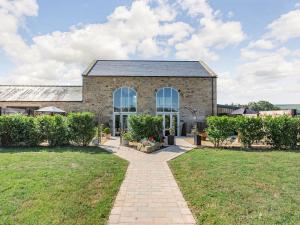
{"points": [[50, 110], [243, 111]]}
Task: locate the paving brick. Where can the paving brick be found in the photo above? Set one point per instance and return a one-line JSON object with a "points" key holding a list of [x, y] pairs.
{"points": [[149, 193]]}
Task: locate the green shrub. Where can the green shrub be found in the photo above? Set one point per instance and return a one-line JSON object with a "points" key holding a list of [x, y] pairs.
{"points": [[220, 128], [53, 129], [127, 136], [145, 126], [250, 129], [18, 130], [106, 130], [82, 127], [282, 132]]}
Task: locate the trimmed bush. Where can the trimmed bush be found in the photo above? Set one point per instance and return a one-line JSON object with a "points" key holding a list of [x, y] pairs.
{"points": [[282, 132], [53, 129], [145, 126], [106, 130], [18, 130], [220, 128], [250, 129], [82, 127]]}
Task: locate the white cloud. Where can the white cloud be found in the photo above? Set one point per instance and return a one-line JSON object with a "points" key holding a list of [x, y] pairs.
{"points": [[60, 57], [261, 44], [269, 70], [146, 29], [230, 14], [271, 75], [197, 7], [210, 37], [264, 75], [286, 27]]}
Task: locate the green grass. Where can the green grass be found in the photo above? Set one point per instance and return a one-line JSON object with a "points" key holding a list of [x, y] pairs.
{"points": [[58, 185], [238, 187]]}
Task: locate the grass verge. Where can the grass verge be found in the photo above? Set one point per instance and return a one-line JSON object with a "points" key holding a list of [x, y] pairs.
{"points": [[238, 187], [69, 185]]}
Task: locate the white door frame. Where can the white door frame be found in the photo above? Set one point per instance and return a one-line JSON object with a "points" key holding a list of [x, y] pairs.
{"points": [[121, 119], [171, 120]]}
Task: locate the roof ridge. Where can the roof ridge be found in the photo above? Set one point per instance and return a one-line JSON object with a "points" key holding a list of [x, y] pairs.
{"points": [[146, 60]]}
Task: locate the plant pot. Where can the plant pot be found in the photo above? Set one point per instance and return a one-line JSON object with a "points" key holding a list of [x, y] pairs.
{"points": [[197, 140], [125, 142], [171, 140]]}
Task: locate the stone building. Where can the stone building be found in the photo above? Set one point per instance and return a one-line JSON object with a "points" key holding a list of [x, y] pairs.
{"points": [[116, 89]]}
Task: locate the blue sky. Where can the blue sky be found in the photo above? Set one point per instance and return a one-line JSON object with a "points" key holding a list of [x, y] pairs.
{"points": [[51, 42]]}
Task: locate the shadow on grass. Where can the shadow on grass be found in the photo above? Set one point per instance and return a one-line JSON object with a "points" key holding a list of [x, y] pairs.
{"points": [[89, 149]]}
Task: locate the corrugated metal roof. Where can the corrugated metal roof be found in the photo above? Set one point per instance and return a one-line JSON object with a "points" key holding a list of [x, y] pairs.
{"points": [[147, 68], [40, 93]]}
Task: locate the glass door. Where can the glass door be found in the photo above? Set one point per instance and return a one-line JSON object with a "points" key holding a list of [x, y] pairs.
{"points": [[170, 120], [125, 122], [174, 123], [117, 125], [120, 123]]}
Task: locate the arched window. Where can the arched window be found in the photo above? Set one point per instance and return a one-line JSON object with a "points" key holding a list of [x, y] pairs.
{"points": [[167, 100], [125, 100]]}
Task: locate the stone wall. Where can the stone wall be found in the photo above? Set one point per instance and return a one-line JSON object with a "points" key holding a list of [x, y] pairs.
{"points": [[199, 93]]}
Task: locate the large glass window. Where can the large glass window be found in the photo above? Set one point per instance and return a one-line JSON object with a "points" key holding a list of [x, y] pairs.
{"points": [[167, 100], [125, 100]]}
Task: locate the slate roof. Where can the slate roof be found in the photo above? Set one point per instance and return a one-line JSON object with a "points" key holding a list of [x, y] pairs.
{"points": [[148, 68], [50, 109], [31, 93], [243, 111]]}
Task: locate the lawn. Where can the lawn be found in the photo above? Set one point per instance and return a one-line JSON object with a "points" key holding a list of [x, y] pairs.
{"points": [[238, 187], [69, 185]]}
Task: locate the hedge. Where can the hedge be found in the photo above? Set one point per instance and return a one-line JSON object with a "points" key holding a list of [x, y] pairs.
{"points": [[145, 126], [54, 129], [220, 128], [250, 130], [57, 130], [82, 127], [18, 130], [281, 132]]}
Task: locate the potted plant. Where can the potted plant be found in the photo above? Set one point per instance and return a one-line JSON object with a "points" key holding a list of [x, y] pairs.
{"points": [[106, 131], [171, 136], [197, 137], [126, 137]]}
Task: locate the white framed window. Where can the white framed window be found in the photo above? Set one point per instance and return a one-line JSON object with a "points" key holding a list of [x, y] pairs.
{"points": [[125, 100]]}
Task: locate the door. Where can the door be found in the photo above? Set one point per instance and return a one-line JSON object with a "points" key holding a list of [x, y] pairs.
{"points": [[170, 120], [120, 123]]}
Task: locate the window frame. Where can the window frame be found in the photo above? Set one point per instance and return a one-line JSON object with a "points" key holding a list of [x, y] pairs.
{"points": [[164, 101], [122, 106]]}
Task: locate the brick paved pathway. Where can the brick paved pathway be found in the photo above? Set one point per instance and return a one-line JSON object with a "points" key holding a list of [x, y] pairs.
{"points": [[149, 193]]}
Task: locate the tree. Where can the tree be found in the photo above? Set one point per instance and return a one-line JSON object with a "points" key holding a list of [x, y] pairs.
{"points": [[262, 106]]}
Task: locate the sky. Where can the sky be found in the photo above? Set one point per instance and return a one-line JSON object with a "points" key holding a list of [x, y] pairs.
{"points": [[252, 45]]}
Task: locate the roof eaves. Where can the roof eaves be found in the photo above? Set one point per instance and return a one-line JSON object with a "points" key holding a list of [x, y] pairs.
{"points": [[208, 69], [189, 76], [89, 68]]}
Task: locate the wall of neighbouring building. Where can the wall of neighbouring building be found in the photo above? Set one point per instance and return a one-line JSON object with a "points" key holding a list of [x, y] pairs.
{"points": [[66, 106]]}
